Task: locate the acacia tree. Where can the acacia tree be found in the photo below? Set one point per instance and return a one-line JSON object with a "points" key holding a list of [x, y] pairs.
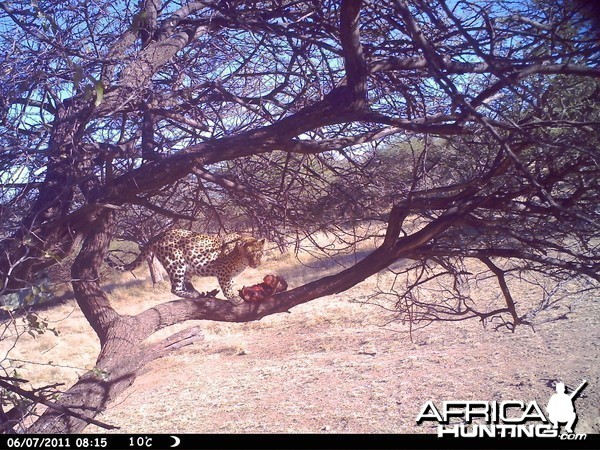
{"points": [[468, 128]]}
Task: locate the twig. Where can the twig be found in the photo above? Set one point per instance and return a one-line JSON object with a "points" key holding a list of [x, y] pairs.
{"points": [[49, 404]]}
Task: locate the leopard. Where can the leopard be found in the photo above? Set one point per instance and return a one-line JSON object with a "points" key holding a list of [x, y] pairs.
{"points": [[185, 253]]}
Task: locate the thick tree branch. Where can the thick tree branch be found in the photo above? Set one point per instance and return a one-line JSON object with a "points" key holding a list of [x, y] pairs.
{"points": [[509, 66], [167, 314], [354, 60]]}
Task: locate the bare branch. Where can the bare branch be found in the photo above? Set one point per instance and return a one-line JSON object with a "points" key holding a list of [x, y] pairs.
{"points": [[55, 406]]}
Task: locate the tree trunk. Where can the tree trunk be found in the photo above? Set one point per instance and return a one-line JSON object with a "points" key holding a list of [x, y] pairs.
{"points": [[44, 237], [91, 393], [121, 359], [122, 354]]}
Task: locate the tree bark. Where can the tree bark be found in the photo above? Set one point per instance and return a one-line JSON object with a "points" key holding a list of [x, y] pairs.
{"points": [[39, 242], [121, 355]]}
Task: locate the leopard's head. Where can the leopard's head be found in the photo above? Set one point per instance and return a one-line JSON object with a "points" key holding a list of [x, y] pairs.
{"points": [[252, 250]]}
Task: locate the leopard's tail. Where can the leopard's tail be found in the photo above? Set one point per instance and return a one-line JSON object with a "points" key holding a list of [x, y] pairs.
{"points": [[137, 262]]}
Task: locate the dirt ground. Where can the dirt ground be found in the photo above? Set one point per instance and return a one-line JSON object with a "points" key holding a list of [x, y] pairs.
{"points": [[331, 366]]}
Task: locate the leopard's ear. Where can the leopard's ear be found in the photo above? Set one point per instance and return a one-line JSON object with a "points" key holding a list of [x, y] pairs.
{"points": [[261, 242]]}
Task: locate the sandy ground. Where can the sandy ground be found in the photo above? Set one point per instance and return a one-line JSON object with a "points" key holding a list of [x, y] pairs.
{"points": [[330, 366]]}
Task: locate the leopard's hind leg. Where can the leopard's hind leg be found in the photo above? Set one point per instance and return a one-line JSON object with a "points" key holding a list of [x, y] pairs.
{"points": [[181, 284]]}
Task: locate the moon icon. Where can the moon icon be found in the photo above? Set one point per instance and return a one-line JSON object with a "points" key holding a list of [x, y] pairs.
{"points": [[177, 441]]}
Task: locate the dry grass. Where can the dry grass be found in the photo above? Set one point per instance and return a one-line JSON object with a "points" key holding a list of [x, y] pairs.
{"points": [[329, 366]]}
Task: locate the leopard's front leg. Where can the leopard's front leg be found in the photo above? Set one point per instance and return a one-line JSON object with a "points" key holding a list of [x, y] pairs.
{"points": [[226, 283]]}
